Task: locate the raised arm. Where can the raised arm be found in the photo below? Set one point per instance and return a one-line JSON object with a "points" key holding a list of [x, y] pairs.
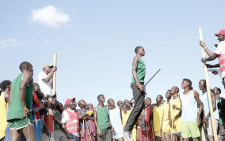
{"points": [[209, 53], [196, 95], [47, 79], [27, 77]]}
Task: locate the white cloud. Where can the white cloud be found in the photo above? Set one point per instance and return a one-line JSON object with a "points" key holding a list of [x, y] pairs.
{"points": [[10, 43], [49, 16]]}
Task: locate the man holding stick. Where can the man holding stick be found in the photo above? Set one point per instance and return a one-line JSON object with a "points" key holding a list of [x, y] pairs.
{"points": [[44, 79], [219, 52], [19, 115], [137, 86]]}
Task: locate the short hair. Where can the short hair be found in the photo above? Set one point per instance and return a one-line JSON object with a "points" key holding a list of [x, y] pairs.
{"points": [[177, 89], [125, 100], [161, 96], [99, 96], [23, 65], [79, 103], [148, 98], [204, 82], [108, 100], [190, 83], [137, 48], [219, 90], [4, 84], [118, 102]]}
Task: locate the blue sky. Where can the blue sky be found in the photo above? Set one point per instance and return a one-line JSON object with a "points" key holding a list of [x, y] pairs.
{"points": [[34, 31]]}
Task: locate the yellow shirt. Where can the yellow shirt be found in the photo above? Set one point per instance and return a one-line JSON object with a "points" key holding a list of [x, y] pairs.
{"points": [[3, 121], [157, 117], [177, 122], [165, 111], [125, 117]]}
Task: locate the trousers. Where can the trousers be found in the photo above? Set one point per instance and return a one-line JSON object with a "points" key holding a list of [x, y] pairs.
{"points": [[139, 104]]}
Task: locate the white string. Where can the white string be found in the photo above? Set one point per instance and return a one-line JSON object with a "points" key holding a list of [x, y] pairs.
{"points": [[127, 49]]}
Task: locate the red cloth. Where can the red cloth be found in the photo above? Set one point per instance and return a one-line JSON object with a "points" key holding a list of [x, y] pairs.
{"points": [[222, 62], [49, 123], [37, 104], [72, 125], [145, 135]]}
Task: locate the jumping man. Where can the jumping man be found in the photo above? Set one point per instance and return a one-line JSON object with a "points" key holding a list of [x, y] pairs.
{"points": [[137, 86]]}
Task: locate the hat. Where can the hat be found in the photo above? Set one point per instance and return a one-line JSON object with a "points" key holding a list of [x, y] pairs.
{"points": [[48, 65], [222, 32], [68, 100]]}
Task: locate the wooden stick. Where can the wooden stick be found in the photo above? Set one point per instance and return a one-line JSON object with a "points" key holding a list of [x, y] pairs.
{"points": [[113, 136], [54, 87], [88, 130], [54, 75], [208, 90], [49, 121]]}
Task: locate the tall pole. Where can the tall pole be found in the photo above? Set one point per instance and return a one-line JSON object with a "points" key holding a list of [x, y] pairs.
{"points": [[54, 87], [54, 75], [208, 90]]}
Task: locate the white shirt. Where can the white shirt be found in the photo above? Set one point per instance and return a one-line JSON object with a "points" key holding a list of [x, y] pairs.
{"points": [[66, 117], [45, 87], [220, 50]]}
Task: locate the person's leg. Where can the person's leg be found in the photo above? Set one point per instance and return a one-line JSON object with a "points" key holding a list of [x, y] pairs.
{"points": [[210, 135], [14, 135], [31, 131], [174, 137], [108, 135], [166, 137], [158, 138], [120, 139], [57, 136], [195, 132], [139, 103]]}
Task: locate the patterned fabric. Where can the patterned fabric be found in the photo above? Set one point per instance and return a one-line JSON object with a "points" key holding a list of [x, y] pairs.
{"points": [[36, 103], [143, 135]]}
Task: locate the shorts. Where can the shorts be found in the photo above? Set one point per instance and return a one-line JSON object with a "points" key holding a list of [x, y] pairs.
{"points": [[166, 127], [177, 134], [210, 128], [18, 124], [158, 134], [190, 130], [117, 135]]}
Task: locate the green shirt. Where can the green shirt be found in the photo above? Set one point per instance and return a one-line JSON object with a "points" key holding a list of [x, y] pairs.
{"points": [[102, 118], [16, 106], [56, 126], [221, 111], [141, 71]]}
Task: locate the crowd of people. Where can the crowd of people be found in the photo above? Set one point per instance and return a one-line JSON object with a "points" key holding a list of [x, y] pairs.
{"points": [[30, 111]]}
